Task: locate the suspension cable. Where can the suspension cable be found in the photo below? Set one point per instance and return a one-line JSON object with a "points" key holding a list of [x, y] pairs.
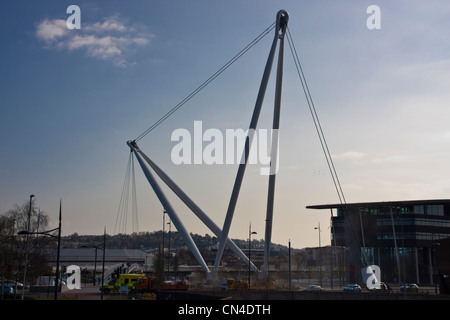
{"points": [[122, 212], [208, 81], [323, 142], [315, 117]]}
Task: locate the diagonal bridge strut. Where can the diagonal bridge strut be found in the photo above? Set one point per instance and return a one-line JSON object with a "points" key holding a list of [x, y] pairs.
{"points": [[143, 159], [280, 31]]}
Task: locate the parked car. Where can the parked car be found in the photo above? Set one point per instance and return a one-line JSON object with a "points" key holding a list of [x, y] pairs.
{"points": [[409, 287], [313, 288], [352, 288]]}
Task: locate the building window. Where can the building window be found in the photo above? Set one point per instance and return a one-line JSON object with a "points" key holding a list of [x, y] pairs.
{"points": [[435, 210], [415, 221], [412, 236], [419, 210]]}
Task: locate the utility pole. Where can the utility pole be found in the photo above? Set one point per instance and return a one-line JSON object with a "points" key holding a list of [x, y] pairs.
{"points": [[290, 265], [26, 248], [319, 256], [249, 251], [58, 254]]}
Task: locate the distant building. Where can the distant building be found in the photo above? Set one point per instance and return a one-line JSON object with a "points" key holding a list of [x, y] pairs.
{"points": [[400, 237], [254, 253], [88, 258]]}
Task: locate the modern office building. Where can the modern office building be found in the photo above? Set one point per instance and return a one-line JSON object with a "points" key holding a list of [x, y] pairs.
{"points": [[401, 237]]}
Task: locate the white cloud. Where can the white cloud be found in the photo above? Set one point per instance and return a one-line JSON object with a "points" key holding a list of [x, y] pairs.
{"points": [[374, 158], [50, 30], [390, 159], [111, 39], [112, 24], [349, 155]]}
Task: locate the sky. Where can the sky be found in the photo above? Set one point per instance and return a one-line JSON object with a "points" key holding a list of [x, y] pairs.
{"points": [[71, 98]]}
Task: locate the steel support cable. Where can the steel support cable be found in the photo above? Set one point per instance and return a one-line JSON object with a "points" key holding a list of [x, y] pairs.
{"points": [[120, 224], [315, 117], [122, 213], [208, 81], [329, 159]]}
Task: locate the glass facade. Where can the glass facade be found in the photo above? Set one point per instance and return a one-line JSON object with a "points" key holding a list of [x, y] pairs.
{"points": [[400, 236], [430, 210]]}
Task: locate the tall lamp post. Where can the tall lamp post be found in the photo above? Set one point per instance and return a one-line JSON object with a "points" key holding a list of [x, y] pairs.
{"points": [[290, 280], [249, 251], [168, 249], [162, 250], [103, 262], [320, 260], [96, 247], [26, 247], [58, 237]]}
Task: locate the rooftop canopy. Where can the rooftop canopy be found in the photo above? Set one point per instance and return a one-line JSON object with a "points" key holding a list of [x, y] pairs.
{"points": [[381, 204]]}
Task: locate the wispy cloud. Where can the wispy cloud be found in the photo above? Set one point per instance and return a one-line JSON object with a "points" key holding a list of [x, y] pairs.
{"points": [[356, 157], [51, 30], [111, 39], [350, 155]]}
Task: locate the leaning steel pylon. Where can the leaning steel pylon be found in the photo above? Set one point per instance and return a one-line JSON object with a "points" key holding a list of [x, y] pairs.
{"points": [[143, 160], [280, 31]]}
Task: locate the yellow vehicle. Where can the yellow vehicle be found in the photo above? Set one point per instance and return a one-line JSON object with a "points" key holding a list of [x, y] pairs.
{"points": [[121, 280], [233, 284]]}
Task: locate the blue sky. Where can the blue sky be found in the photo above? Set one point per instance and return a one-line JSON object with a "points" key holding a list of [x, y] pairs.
{"points": [[70, 99]]}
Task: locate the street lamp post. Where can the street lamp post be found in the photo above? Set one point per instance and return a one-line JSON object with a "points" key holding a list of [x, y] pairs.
{"points": [[95, 265], [290, 280], [168, 249], [318, 228], [26, 248], [162, 250], [319, 256], [103, 262], [58, 253], [102, 247], [249, 251], [99, 246]]}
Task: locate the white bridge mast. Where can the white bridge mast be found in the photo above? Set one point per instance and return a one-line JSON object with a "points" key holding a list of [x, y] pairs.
{"points": [[280, 31]]}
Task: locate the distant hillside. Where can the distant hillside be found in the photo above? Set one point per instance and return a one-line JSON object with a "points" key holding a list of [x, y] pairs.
{"points": [[152, 240]]}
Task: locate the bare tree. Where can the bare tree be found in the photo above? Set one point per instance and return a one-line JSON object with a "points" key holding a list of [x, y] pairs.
{"points": [[8, 248], [12, 246]]}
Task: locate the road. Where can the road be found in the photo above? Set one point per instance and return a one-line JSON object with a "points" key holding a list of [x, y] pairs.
{"points": [[91, 292]]}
